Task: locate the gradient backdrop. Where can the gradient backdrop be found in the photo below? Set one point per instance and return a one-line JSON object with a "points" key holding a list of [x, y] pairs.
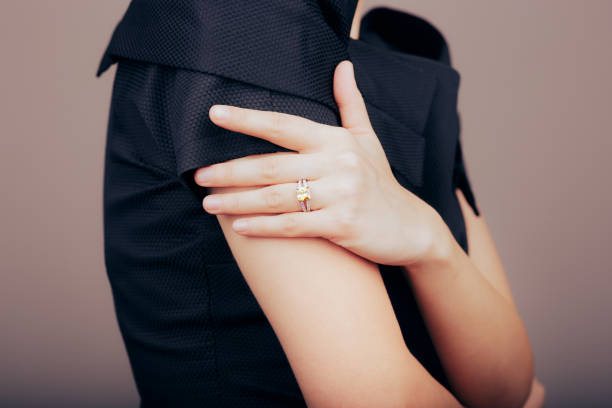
{"points": [[536, 99]]}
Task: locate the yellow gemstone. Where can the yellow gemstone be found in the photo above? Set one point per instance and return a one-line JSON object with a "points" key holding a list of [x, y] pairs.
{"points": [[303, 193]]}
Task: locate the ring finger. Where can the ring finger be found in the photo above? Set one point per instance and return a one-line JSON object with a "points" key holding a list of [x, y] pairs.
{"points": [[276, 198]]}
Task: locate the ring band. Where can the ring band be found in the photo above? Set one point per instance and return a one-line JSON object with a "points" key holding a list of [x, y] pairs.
{"points": [[303, 194]]}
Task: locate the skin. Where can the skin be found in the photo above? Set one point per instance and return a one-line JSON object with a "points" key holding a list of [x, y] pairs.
{"points": [[357, 19], [331, 312], [347, 349]]}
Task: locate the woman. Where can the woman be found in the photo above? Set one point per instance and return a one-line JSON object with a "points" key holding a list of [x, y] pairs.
{"points": [[369, 299]]}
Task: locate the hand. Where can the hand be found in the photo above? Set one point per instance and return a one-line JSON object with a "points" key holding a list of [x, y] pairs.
{"points": [[356, 201]]}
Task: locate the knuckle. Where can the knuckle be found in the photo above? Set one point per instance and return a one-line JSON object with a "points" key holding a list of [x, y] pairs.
{"points": [[348, 188], [290, 225], [235, 203], [276, 124], [358, 185], [343, 191], [273, 198], [325, 161], [227, 172], [269, 168], [349, 160], [354, 183]]}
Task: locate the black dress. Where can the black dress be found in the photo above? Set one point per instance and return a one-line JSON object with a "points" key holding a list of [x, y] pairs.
{"points": [[194, 332]]}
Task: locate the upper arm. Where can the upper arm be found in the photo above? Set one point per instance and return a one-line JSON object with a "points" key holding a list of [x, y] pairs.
{"points": [[332, 315], [328, 307]]}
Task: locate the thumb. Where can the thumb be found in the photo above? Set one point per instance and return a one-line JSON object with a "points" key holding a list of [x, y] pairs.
{"points": [[353, 112]]}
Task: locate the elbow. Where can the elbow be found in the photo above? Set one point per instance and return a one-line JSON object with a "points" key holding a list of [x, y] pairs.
{"points": [[511, 396], [398, 387], [520, 382], [518, 391], [511, 389], [379, 392]]}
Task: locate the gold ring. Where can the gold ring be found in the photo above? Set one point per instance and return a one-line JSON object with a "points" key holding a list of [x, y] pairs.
{"points": [[303, 194]]}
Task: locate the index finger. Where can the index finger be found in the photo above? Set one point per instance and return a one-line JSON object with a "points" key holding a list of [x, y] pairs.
{"points": [[290, 131]]}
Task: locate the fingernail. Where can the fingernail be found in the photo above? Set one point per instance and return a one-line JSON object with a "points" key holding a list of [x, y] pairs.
{"points": [[220, 112], [240, 225], [204, 175], [212, 203]]}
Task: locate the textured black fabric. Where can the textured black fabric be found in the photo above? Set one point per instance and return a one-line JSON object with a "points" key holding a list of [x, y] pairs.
{"points": [[194, 332]]}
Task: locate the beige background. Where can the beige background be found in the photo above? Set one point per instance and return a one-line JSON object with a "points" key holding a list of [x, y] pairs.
{"points": [[536, 106]]}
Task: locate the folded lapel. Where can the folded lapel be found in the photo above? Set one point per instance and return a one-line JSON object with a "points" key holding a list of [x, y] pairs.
{"points": [[398, 93]]}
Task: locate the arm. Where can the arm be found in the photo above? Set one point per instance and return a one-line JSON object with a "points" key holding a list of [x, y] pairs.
{"points": [[357, 205], [487, 355], [537, 396], [486, 258], [332, 315]]}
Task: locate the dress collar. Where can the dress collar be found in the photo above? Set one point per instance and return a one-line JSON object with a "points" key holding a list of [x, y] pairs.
{"points": [[294, 47], [401, 63], [403, 33], [398, 58], [286, 46]]}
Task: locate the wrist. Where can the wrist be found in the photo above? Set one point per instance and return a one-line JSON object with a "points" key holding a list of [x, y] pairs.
{"points": [[441, 249]]}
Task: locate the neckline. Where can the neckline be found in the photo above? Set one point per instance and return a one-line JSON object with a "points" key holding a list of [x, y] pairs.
{"points": [[412, 60], [384, 30]]}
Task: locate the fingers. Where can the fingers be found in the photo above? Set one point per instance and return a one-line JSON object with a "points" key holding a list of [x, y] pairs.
{"points": [[263, 169], [353, 112], [276, 198], [295, 224], [290, 131]]}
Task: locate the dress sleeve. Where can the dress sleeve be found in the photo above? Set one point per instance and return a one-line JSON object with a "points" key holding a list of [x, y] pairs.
{"points": [[173, 105], [197, 141], [461, 180]]}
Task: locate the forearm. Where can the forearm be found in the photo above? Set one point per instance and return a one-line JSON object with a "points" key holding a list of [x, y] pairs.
{"points": [[420, 389], [478, 333]]}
